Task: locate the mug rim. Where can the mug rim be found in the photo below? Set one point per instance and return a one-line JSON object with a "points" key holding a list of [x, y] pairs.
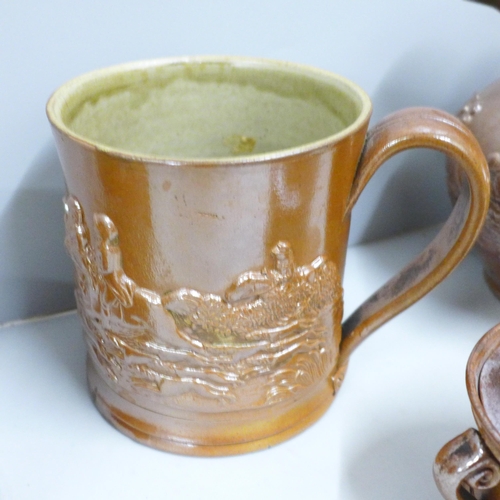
{"points": [[60, 96]]}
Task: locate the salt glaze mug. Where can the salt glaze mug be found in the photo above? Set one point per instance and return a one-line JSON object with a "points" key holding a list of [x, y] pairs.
{"points": [[468, 467], [207, 215]]}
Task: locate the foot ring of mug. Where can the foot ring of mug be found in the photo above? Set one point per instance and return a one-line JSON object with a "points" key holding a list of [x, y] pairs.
{"points": [[200, 435]]}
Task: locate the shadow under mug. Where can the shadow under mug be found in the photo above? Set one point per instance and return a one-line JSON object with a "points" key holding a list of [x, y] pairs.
{"points": [[207, 215]]}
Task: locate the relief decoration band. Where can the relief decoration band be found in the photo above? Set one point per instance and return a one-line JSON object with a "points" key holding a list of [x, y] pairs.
{"points": [[270, 336]]}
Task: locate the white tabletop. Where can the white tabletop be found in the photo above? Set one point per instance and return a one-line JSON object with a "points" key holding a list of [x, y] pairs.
{"points": [[404, 396]]}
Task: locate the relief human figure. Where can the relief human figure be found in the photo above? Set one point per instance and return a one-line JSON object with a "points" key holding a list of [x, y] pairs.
{"points": [[78, 244], [118, 286], [261, 307]]}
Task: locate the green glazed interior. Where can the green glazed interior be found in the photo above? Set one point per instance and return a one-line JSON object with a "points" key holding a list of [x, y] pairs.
{"points": [[208, 108]]}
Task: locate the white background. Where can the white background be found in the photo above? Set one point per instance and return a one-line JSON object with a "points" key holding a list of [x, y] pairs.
{"points": [[404, 53]]}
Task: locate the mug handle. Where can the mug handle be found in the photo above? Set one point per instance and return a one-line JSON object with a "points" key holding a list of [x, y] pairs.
{"points": [[406, 129], [466, 469]]}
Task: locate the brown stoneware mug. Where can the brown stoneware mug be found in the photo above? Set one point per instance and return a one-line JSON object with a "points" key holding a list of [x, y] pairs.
{"points": [[468, 467], [207, 214]]}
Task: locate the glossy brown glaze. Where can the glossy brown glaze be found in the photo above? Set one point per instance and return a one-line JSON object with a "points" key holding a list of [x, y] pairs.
{"points": [[210, 289], [420, 127], [469, 464], [481, 114], [465, 469]]}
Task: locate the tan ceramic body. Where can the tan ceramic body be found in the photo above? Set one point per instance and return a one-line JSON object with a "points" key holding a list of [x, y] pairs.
{"points": [[174, 259], [199, 227]]}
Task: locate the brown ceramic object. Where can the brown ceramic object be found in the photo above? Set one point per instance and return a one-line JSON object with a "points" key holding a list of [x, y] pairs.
{"points": [[468, 466], [482, 116], [207, 214], [491, 3]]}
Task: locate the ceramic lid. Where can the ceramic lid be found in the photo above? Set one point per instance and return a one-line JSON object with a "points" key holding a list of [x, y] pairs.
{"points": [[483, 386]]}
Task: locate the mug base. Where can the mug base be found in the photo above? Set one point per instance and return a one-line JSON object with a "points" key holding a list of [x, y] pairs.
{"points": [[211, 434]]}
